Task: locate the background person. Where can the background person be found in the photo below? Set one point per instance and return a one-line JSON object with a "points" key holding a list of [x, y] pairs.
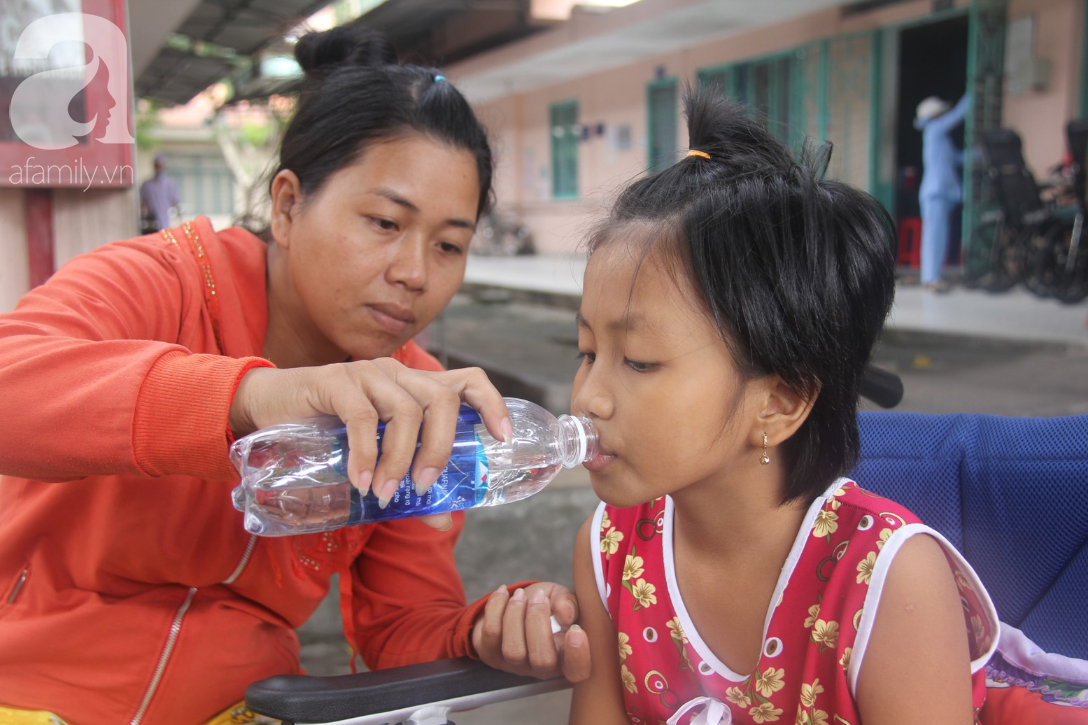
{"points": [[159, 199], [941, 190], [129, 590]]}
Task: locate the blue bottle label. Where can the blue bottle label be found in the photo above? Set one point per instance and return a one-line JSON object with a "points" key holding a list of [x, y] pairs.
{"points": [[461, 485]]}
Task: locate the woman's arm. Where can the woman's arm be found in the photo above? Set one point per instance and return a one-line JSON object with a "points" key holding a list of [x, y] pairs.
{"points": [[598, 699], [94, 382], [409, 606], [917, 667]]}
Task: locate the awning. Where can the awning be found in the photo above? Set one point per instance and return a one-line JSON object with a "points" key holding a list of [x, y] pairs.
{"points": [[242, 26]]}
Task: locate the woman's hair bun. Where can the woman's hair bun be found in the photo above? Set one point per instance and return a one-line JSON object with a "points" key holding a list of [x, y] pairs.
{"points": [[320, 54]]}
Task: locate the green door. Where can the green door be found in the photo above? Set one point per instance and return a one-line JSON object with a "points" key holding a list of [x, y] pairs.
{"points": [[663, 114], [985, 68]]}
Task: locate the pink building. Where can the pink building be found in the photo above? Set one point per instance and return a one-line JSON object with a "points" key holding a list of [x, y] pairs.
{"points": [[578, 110]]}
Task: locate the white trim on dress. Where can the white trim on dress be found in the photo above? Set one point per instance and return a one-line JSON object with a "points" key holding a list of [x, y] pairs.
{"points": [[876, 588], [790, 564], [595, 554]]}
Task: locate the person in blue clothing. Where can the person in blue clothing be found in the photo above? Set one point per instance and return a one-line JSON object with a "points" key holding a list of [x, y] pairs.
{"points": [[941, 189]]}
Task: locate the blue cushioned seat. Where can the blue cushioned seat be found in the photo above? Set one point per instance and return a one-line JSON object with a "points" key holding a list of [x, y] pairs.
{"points": [[1010, 493]]}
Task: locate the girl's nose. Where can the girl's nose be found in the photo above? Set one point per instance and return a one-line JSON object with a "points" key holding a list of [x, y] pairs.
{"points": [[591, 397]]}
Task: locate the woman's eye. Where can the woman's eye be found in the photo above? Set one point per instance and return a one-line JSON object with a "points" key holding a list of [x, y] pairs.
{"points": [[640, 367], [589, 357], [386, 225]]}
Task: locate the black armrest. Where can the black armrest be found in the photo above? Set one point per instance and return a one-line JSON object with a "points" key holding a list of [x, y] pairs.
{"points": [[398, 691], [881, 386]]}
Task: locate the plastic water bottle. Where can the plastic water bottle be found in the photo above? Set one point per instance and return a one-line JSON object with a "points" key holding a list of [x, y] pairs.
{"points": [[294, 475]]}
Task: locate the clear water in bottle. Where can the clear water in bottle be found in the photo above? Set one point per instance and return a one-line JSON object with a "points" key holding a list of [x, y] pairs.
{"points": [[294, 476]]}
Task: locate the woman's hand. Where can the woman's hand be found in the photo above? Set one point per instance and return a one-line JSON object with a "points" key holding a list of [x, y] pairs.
{"points": [[365, 392], [514, 634]]}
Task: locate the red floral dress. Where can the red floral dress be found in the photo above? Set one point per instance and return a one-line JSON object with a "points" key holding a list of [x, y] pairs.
{"points": [[815, 633]]}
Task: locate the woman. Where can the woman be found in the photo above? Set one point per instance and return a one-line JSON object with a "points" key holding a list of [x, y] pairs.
{"points": [[941, 190], [130, 592]]}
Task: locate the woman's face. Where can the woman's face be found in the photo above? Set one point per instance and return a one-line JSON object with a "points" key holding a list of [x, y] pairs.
{"points": [[379, 250]]}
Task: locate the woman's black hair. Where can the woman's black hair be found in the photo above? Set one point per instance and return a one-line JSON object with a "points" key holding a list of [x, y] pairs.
{"points": [[356, 93], [796, 271]]}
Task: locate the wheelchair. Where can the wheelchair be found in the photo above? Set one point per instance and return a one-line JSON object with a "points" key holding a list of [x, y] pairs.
{"points": [[1059, 265], [1029, 239], [1008, 493]]}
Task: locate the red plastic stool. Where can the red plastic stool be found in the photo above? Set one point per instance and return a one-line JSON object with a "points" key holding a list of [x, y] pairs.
{"points": [[910, 242]]}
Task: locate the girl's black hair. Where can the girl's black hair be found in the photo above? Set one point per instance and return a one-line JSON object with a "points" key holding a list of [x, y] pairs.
{"points": [[796, 271], [356, 93]]}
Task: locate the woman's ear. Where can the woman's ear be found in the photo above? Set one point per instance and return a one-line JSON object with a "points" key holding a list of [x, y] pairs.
{"points": [[286, 199], [781, 411]]}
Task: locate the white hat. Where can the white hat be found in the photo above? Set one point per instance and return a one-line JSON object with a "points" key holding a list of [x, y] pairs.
{"points": [[931, 108]]}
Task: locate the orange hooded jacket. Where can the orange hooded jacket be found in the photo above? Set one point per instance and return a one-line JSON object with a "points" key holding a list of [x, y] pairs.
{"points": [[130, 592]]}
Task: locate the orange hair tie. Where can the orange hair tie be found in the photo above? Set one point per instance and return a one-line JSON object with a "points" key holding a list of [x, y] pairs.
{"points": [[704, 154]]}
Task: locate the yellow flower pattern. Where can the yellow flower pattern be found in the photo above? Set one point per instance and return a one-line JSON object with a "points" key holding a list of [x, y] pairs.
{"points": [[813, 614], [628, 680], [643, 592], [610, 542], [865, 568], [765, 712], [885, 534], [770, 682], [826, 634], [827, 523], [676, 630], [625, 648], [632, 567], [809, 692], [737, 696]]}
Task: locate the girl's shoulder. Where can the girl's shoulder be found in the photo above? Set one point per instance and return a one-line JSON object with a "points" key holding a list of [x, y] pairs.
{"points": [[848, 493]]}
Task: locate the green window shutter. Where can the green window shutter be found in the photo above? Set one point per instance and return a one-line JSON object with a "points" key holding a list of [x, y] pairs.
{"points": [[661, 99], [566, 133], [775, 87], [720, 78]]}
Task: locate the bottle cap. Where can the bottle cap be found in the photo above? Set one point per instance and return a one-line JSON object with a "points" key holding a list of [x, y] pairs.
{"points": [[581, 430]]}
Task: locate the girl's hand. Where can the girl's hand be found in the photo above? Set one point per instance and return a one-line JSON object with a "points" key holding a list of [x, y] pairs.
{"points": [[514, 634], [365, 392]]}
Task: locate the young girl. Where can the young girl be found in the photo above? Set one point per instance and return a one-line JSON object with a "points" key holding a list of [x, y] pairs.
{"points": [[730, 305]]}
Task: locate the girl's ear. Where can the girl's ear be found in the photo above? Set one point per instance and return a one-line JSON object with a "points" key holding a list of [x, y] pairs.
{"points": [[286, 198], [781, 411]]}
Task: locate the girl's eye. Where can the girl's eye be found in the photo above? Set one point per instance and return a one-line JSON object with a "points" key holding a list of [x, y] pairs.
{"points": [[589, 357], [640, 367], [386, 225]]}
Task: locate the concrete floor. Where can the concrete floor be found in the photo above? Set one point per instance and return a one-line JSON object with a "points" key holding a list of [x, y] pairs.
{"points": [[529, 350]]}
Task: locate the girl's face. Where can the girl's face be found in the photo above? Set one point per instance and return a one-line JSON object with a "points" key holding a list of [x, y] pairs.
{"points": [[656, 379], [377, 252]]}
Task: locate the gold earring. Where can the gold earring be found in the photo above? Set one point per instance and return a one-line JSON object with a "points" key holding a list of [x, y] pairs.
{"points": [[764, 460]]}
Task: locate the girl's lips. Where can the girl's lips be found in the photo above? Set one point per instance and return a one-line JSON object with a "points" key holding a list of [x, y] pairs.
{"points": [[393, 320], [599, 462]]}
